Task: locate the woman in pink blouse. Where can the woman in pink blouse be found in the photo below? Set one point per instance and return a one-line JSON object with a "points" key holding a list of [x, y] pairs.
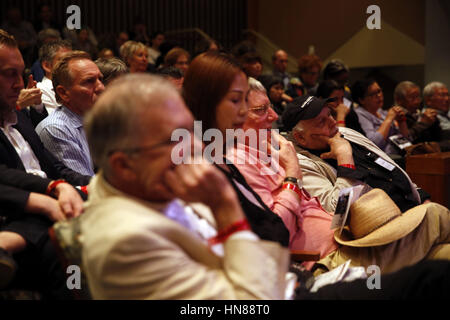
{"points": [[308, 223]]}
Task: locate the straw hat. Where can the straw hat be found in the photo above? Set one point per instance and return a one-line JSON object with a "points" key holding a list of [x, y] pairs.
{"points": [[375, 220]]}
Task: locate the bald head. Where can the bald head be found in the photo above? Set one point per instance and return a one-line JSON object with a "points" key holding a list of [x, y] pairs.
{"points": [[280, 60]]}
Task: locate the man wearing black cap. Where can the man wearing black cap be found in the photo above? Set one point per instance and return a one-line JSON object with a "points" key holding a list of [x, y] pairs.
{"points": [[333, 158]]}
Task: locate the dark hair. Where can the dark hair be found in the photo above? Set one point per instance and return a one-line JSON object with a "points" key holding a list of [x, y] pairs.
{"points": [[268, 81], [360, 87], [334, 68], [171, 72], [48, 50], [206, 83], [326, 87], [251, 57]]}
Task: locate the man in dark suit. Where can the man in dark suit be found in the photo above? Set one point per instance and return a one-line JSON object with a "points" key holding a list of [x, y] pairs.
{"points": [[21, 149]]}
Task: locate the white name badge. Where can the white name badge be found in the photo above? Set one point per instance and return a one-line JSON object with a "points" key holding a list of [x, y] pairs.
{"points": [[384, 164]]}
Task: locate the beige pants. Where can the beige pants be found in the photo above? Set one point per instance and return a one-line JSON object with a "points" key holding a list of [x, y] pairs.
{"points": [[430, 240]]}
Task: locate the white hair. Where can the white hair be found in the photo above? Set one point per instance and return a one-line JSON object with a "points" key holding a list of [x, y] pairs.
{"points": [[430, 88], [255, 85], [400, 89]]}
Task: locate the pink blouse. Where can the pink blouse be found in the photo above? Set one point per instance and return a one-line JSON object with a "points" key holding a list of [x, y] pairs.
{"points": [[308, 223]]}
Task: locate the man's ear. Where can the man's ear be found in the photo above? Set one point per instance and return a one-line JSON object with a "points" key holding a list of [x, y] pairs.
{"points": [[299, 137], [47, 67], [121, 165], [62, 93]]}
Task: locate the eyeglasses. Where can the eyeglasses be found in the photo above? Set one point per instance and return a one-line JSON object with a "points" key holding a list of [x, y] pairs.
{"points": [[261, 110], [374, 94]]}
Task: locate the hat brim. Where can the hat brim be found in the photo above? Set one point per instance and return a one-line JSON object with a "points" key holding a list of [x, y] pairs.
{"points": [[390, 232]]}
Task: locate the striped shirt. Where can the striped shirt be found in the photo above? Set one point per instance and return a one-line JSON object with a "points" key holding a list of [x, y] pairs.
{"points": [[63, 135]]}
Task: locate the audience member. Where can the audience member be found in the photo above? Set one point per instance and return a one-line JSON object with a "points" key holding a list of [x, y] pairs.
{"points": [[153, 50], [44, 36], [21, 149], [49, 55], [178, 58], [342, 110], [23, 32], [215, 90], [46, 19], [121, 38], [378, 124], [252, 64], [309, 67], [435, 96], [174, 75], [77, 83], [280, 62], [338, 71], [422, 126], [160, 251], [139, 32], [135, 55], [105, 53], [333, 158], [111, 68], [205, 45], [83, 43], [280, 187]]}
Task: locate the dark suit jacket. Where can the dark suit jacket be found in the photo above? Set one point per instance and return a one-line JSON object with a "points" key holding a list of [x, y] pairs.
{"points": [[22, 184]]}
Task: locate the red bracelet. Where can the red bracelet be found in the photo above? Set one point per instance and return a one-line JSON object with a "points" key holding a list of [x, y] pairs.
{"points": [[350, 166], [51, 187], [341, 122], [84, 189], [224, 234], [293, 187]]}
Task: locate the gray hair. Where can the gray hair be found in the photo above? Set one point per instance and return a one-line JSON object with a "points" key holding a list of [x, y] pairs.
{"points": [[111, 68], [114, 122], [401, 88], [45, 34], [430, 88], [129, 48], [255, 85], [48, 50]]}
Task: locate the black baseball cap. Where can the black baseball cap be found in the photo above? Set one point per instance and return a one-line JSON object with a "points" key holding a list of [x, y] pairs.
{"points": [[303, 108]]}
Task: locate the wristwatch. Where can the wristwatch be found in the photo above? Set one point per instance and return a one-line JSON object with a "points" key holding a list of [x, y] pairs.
{"points": [[297, 182]]}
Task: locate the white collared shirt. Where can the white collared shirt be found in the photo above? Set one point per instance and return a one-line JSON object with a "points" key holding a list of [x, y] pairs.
{"points": [[23, 149], [48, 95]]}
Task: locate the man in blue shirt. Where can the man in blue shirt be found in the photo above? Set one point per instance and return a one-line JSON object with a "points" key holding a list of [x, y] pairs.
{"points": [[77, 83]]}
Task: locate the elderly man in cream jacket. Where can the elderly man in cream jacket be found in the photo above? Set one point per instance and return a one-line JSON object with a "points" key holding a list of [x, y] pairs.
{"points": [[141, 238], [333, 158]]}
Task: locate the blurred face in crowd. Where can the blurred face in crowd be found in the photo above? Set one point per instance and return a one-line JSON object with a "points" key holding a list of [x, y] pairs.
{"points": [[121, 39], [156, 42], [182, 63], [139, 61], [411, 100], [275, 93], [439, 100], [374, 99], [231, 111], [260, 112], [253, 69], [339, 94], [86, 86], [317, 130], [46, 14], [280, 61], [11, 70], [310, 76]]}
